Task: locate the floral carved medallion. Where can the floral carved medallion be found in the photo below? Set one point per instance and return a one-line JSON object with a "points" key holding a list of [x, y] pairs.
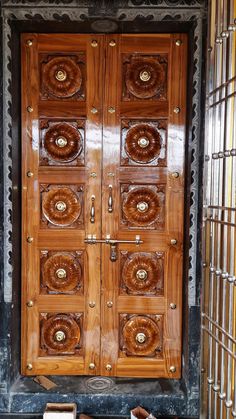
{"points": [[60, 333], [142, 273], [141, 335], [61, 272], [145, 77]]}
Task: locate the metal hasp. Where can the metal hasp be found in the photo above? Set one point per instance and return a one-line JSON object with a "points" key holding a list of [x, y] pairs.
{"points": [[91, 239]]}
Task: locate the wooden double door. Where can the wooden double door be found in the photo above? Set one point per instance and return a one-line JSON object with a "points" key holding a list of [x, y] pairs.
{"points": [[103, 144]]}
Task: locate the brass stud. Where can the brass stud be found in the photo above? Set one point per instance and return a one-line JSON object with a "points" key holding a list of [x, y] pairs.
{"points": [[176, 110], [61, 142], [109, 304], [111, 110], [60, 206], [144, 75], [178, 42], [143, 142], [61, 273], [92, 304], [30, 174], [108, 367], [91, 366], [30, 303], [93, 174], [141, 274], [142, 206], [29, 109], [172, 368], [94, 43], [173, 242], [29, 366], [29, 239], [94, 110], [60, 336], [61, 75], [175, 175], [141, 338], [112, 43], [29, 42], [172, 306]]}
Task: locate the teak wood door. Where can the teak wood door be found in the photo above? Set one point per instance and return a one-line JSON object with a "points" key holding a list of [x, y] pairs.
{"points": [[103, 144]]}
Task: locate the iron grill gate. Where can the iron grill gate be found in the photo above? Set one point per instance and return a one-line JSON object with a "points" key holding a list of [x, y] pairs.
{"points": [[219, 295]]}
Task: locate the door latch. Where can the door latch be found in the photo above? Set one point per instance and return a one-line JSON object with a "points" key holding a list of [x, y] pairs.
{"points": [[91, 239]]}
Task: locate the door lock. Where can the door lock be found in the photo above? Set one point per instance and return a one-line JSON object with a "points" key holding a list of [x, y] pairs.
{"points": [[91, 239]]}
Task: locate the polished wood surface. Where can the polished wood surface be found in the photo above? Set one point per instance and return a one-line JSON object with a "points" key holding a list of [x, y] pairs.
{"points": [[104, 142]]}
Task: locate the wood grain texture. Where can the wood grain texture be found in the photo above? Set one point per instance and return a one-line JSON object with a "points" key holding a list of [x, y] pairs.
{"points": [[106, 133]]}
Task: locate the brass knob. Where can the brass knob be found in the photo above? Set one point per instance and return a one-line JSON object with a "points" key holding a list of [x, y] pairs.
{"points": [[112, 43], [108, 367], [91, 366], [30, 174], [61, 142], [142, 206], [178, 42], [172, 368], [59, 336], [143, 142], [30, 303], [29, 109], [175, 175], [173, 241], [172, 306], [111, 110], [61, 273], [92, 304], [145, 75], [93, 174], [141, 274], [94, 110], [61, 75], [29, 367], [141, 338], [29, 42], [109, 304], [60, 206], [94, 43], [30, 239], [176, 109]]}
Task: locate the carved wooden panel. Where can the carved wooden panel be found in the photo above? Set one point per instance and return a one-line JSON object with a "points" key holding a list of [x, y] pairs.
{"points": [[143, 206], [62, 77], [144, 77], [61, 334], [141, 335], [144, 142], [142, 273], [62, 142], [61, 272], [62, 206]]}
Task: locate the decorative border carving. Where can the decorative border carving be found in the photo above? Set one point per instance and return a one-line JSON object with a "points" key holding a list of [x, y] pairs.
{"points": [[146, 10]]}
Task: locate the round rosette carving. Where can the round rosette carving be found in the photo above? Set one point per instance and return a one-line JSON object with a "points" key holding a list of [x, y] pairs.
{"points": [[141, 336], [141, 206], [62, 77], [61, 273], [143, 143], [63, 142], [61, 333], [142, 273], [144, 77], [61, 206]]}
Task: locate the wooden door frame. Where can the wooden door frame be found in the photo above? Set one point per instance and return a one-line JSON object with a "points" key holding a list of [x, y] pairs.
{"points": [[19, 26]]}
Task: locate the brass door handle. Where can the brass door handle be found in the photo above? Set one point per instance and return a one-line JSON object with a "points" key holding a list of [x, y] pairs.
{"points": [[91, 239], [110, 200], [92, 210]]}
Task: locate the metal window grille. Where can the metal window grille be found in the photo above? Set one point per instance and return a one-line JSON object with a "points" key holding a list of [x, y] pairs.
{"points": [[219, 291]]}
